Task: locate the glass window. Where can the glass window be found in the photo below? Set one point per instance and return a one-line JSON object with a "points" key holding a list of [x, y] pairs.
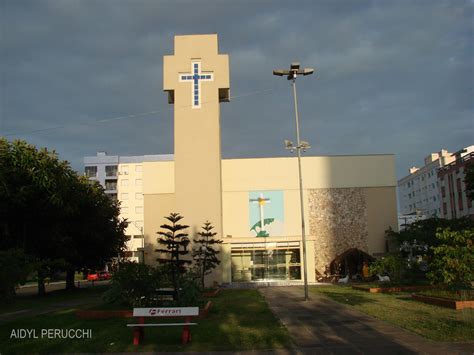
{"points": [[138, 209], [124, 196], [138, 168], [90, 171], [111, 184], [139, 196], [124, 209], [138, 182], [124, 182], [124, 169], [111, 170]]}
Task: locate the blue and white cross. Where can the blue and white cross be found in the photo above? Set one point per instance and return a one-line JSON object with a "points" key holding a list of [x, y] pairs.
{"points": [[196, 77]]}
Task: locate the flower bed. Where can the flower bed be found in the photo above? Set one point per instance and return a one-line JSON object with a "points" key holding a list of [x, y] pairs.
{"points": [[212, 293], [444, 302], [381, 289]]}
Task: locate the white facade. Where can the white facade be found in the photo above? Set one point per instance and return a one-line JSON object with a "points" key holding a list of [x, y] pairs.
{"points": [[418, 192]]}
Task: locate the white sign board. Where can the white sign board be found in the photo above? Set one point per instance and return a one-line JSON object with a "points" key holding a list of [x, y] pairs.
{"points": [[166, 312]]}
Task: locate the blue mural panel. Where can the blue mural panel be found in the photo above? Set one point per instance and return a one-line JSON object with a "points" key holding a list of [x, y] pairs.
{"points": [[266, 208]]}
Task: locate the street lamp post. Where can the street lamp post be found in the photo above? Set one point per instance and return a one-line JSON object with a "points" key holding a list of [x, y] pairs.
{"points": [[292, 74]]}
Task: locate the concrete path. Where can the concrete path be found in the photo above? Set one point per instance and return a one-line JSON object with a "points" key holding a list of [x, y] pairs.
{"points": [[322, 326]]}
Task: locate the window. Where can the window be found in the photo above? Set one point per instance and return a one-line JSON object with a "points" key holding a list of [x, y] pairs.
{"points": [[139, 209], [124, 196], [469, 203], [124, 182], [90, 171], [138, 168], [111, 184], [409, 195], [138, 182], [139, 224], [139, 196], [111, 170], [445, 209], [443, 191], [112, 196], [124, 209], [460, 204], [124, 169], [458, 184], [434, 198]]}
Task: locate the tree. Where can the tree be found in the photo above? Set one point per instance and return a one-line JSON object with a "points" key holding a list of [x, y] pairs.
{"points": [[423, 233], [57, 218], [469, 179], [204, 254], [175, 243], [453, 259]]}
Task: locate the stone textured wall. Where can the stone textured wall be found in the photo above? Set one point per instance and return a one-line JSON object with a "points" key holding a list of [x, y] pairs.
{"points": [[338, 220]]}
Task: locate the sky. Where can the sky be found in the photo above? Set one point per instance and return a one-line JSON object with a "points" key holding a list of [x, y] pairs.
{"points": [[390, 76]]}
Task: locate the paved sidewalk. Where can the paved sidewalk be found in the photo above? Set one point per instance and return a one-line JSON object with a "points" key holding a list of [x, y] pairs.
{"points": [[322, 326]]}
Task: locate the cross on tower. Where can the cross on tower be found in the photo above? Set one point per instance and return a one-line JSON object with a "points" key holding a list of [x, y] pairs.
{"points": [[196, 77]]}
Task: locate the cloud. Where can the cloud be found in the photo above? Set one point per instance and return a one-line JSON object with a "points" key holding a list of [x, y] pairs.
{"points": [[391, 77]]}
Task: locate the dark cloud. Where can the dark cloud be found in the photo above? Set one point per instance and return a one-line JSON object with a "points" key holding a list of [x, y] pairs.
{"points": [[392, 77]]}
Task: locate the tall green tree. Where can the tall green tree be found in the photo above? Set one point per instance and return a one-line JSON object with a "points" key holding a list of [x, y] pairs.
{"points": [[56, 217], [174, 242], [204, 253]]}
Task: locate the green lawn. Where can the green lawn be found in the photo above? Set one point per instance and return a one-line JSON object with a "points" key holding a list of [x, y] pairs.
{"points": [[239, 320], [437, 323], [51, 298]]}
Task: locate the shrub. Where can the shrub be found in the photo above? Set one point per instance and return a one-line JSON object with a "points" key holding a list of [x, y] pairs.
{"points": [[14, 269], [392, 265], [136, 285], [453, 259]]}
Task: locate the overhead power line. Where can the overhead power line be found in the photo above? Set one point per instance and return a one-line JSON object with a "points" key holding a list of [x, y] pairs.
{"points": [[125, 117]]}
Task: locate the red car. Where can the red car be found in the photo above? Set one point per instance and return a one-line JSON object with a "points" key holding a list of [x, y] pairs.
{"points": [[99, 276]]}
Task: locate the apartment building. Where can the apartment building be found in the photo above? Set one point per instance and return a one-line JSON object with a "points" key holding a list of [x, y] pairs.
{"points": [[418, 192], [454, 201]]}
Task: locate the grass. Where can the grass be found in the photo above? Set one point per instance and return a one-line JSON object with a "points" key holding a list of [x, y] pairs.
{"points": [[51, 298], [432, 322], [239, 320]]}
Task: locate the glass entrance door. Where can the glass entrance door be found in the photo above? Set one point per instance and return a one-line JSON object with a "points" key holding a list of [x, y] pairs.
{"points": [[266, 264]]}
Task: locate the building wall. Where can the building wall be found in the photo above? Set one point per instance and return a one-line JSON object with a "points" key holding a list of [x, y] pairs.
{"points": [[359, 192], [419, 191], [130, 194], [454, 200]]}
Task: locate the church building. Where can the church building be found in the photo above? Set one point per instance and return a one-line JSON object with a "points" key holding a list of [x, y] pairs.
{"points": [[254, 204]]}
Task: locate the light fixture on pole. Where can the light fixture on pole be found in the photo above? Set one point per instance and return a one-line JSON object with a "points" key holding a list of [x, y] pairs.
{"points": [[292, 74]]}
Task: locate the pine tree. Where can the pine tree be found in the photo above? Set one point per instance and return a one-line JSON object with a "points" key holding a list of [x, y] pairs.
{"points": [[204, 254], [175, 243]]}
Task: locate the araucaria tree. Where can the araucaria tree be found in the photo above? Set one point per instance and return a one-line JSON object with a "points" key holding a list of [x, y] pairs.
{"points": [[175, 242], [204, 254]]}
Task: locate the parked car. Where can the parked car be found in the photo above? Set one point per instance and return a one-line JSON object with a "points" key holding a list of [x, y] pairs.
{"points": [[99, 276]]}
